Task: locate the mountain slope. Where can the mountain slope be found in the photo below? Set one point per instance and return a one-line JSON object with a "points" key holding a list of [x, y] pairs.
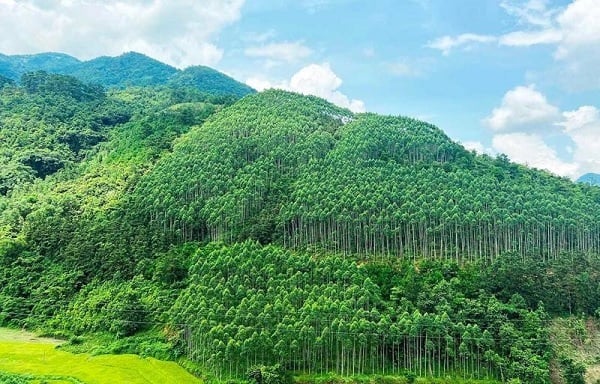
{"points": [[49, 123], [279, 167], [210, 81]]}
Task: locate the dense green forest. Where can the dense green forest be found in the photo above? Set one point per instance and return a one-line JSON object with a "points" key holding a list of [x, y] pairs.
{"points": [[192, 218]]}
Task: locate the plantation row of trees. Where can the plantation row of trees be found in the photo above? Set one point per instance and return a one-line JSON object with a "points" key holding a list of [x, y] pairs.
{"points": [[277, 168], [248, 305]]}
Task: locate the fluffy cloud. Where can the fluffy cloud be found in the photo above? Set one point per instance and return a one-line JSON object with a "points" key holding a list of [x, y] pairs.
{"points": [[579, 50], [522, 107], [531, 150], [447, 43], [286, 51], [476, 146], [583, 126], [179, 32], [314, 79], [525, 115]]}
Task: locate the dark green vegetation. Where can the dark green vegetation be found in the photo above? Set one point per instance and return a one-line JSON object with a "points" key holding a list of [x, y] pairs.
{"points": [[280, 230]]}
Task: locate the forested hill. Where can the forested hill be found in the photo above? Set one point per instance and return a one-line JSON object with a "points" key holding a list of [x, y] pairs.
{"points": [[293, 170], [128, 69], [280, 230]]}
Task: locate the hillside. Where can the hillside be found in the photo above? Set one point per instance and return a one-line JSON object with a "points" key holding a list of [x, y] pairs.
{"points": [[292, 170], [283, 231], [209, 81]]}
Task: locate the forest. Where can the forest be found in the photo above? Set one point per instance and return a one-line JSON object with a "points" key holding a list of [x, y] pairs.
{"points": [[261, 235]]}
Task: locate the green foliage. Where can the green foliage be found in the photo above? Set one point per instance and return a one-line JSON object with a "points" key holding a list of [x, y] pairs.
{"points": [[573, 372], [116, 307], [145, 344], [50, 122], [209, 81], [280, 230], [261, 374], [5, 81], [10, 378], [249, 305], [128, 69]]}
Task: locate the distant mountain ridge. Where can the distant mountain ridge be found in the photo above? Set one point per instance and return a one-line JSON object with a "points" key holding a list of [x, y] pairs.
{"points": [[128, 69], [14, 66], [590, 178]]}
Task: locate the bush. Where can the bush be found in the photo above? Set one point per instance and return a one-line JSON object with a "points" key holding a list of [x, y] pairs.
{"points": [[271, 374]]}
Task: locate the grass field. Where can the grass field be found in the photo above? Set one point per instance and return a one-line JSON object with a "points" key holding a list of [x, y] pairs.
{"points": [[23, 353]]}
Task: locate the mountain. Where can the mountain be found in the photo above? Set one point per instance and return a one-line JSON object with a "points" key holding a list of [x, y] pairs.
{"points": [[590, 178], [14, 66], [128, 69], [279, 232]]}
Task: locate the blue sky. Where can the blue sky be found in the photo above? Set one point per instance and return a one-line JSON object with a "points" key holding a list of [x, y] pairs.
{"points": [[520, 77]]}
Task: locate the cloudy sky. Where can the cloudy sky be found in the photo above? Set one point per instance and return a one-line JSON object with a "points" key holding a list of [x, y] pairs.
{"points": [[520, 77]]}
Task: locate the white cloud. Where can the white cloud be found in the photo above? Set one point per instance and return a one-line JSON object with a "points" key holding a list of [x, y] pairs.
{"points": [[260, 84], [530, 12], [580, 24], [581, 118], [578, 54], [314, 79], [179, 32], [531, 150], [476, 146], [286, 51], [522, 107], [447, 43], [574, 30], [528, 38], [583, 126]]}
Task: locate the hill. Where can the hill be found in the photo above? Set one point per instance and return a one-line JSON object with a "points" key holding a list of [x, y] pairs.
{"points": [[14, 66], [590, 178], [126, 70], [210, 81], [283, 231], [278, 167]]}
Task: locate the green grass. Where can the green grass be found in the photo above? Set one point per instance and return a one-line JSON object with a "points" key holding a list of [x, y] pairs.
{"points": [[22, 353]]}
